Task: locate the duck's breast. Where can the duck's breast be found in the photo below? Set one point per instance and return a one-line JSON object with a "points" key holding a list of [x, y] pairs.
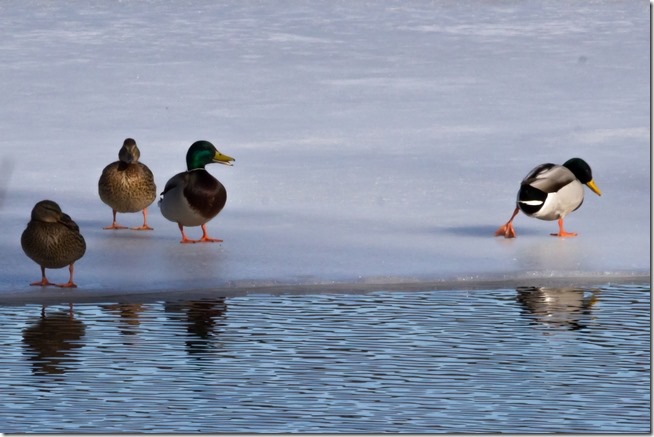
{"points": [[52, 245], [127, 187], [192, 198]]}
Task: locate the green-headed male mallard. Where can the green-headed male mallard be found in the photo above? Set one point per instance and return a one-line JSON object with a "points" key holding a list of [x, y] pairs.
{"points": [[52, 240], [194, 197], [551, 192], [127, 185]]}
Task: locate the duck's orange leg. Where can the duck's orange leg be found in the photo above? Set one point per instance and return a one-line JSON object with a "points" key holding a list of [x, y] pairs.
{"points": [[205, 238], [70, 283], [563, 233], [184, 239], [145, 226], [44, 281], [114, 225], [507, 229]]}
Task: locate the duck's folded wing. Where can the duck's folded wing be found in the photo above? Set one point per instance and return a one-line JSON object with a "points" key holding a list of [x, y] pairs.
{"points": [[549, 178], [65, 220], [178, 180]]}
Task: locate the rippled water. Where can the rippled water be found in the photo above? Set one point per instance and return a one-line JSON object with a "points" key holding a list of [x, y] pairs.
{"points": [[504, 360]]}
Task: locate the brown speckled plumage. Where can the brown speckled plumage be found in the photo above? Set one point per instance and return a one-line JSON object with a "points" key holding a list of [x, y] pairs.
{"points": [[127, 185], [52, 240]]}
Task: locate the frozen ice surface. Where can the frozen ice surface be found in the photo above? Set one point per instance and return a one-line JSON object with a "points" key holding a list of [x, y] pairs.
{"points": [[375, 142]]}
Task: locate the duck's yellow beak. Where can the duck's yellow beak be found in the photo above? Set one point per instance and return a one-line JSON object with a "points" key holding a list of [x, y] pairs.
{"points": [[593, 187], [222, 159]]}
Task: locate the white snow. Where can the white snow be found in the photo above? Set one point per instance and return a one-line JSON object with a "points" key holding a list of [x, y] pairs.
{"points": [[374, 141]]}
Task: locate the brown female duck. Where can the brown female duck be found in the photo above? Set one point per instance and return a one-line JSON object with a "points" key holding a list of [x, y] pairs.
{"points": [[127, 185], [52, 240]]}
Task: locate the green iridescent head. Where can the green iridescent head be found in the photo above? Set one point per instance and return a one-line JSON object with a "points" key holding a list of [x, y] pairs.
{"points": [[202, 153]]}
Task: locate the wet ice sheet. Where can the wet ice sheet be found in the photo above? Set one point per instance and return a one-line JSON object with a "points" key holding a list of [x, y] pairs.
{"points": [[374, 143]]}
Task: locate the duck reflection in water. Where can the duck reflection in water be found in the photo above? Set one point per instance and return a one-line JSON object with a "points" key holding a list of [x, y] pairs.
{"points": [[50, 341], [201, 319], [128, 314], [567, 308]]}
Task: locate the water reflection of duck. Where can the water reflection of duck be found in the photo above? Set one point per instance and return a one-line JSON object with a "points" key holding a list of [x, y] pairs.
{"points": [[51, 340], [200, 318], [557, 307], [128, 314]]}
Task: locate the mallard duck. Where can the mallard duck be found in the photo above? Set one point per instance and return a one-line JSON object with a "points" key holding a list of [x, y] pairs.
{"points": [[194, 197], [551, 192], [52, 240], [127, 185]]}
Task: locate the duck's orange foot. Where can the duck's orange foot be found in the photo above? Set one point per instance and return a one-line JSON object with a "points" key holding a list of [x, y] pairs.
{"points": [[205, 239], [145, 226], [115, 226], [506, 230], [564, 234], [43, 283], [201, 240], [69, 284], [142, 228]]}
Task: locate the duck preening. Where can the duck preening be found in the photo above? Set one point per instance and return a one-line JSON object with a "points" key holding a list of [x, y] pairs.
{"points": [[127, 185], [52, 240], [551, 192], [193, 197]]}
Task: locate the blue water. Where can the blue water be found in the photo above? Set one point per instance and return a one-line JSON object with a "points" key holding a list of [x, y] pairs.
{"points": [[506, 360]]}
